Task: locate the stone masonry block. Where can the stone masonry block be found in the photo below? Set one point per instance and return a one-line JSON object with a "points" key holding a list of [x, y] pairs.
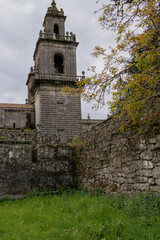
{"points": [[148, 165], [156, 172]]}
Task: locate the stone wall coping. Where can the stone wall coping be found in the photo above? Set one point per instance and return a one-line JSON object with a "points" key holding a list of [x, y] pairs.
{"points": [[15, 106]]}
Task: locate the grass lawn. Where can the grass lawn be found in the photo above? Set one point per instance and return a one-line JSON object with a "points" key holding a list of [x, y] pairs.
{"points": [[81, 216]]}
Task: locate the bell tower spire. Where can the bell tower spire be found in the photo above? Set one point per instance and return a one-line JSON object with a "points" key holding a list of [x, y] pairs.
{"points": [[54, 18], [53, 4], [55, 68]]}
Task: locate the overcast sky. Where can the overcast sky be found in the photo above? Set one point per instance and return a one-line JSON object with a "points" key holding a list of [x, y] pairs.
{"points": [[20, 23]]}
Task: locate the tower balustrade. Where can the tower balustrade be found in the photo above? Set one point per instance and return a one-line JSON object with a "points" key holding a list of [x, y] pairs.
{"points": [[70, 37]]}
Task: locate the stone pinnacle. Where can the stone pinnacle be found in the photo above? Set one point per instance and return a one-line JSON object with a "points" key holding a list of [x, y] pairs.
{"points": [[53, 3]]}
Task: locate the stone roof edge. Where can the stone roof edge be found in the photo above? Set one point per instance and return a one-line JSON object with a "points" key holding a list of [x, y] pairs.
{"points": [[17, 106]]}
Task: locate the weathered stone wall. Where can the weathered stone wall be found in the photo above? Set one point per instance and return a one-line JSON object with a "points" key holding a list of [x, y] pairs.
{"points": [[116, 162], [2, 114], [106, 159], [52, 167], [46, 50], [58, 113], [15, 167], [29, 160], [87, 124], [16, 118]]}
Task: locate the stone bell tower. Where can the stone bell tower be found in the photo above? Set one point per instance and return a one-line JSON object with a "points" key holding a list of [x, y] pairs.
{"points": [[55, 68]]}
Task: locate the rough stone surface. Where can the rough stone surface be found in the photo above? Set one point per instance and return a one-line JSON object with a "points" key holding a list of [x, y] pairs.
{"points": [[57, 113], [15, 168], [53, 167], [116, 162], [29, 160], [13, 117]]}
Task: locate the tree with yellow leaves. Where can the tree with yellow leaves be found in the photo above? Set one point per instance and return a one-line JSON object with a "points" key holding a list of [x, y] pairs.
{"points": [[131, 70]]}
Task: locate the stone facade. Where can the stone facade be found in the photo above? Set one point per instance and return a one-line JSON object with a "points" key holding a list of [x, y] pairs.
{"points": [[17, 116], [52, 167], [87, 124], [15, 168], [29, 160], [57, 113], [116, 162]]}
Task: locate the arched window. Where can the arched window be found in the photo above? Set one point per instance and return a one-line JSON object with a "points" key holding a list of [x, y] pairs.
{"points": [[56, 29], [58, 63]]}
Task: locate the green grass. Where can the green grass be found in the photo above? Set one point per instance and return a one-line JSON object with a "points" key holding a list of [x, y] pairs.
{"points": [[81, 216]]}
